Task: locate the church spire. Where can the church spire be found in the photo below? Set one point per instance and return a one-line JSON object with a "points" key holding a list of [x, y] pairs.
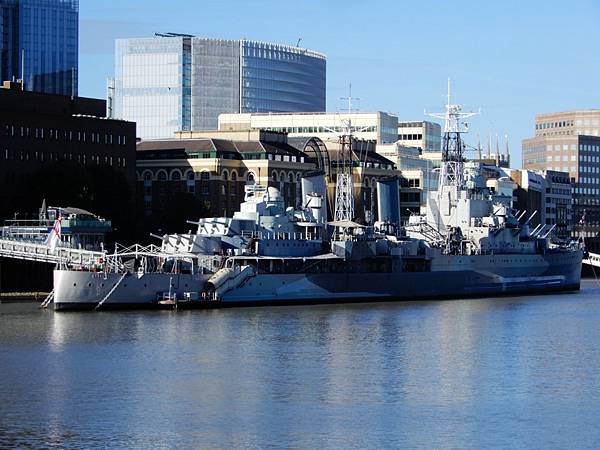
{"points": [[506, 151], [497, 152]]}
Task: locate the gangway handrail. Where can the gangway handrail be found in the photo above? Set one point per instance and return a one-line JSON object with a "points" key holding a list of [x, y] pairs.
{"points": [[89, 259], [40, 252]]}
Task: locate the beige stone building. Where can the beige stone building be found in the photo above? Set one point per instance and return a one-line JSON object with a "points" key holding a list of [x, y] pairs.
{"points": [[376, 126], [214, 166], [421, 134]]}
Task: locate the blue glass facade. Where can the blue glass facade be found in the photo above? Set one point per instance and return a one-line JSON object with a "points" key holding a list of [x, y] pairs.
{"points": [[150, 87], [216, 80], [279, 78], [46, 33], [172, 83]]}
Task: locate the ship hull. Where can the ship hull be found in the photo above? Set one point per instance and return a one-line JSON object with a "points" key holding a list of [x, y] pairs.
{"points": [[449, 277]]}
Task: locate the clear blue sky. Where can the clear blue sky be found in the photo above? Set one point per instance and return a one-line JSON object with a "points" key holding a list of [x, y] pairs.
{"points": [[512, 59]]}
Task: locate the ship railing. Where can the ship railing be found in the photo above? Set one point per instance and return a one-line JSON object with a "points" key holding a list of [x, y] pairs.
{"points": [[279, 235], [153, 257]]}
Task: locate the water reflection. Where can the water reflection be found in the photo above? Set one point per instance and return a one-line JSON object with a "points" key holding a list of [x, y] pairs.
{"points": [[508, 372]]}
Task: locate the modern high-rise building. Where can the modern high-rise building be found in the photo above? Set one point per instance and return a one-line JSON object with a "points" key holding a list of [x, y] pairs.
{"points": [[173, 82], [39, 44], [570, 142]]}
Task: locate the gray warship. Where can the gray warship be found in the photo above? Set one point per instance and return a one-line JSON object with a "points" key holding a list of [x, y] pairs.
{"points": [[470, 243]]}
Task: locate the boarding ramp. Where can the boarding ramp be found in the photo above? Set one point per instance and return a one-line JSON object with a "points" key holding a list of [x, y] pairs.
{"points": [[40, 252]]}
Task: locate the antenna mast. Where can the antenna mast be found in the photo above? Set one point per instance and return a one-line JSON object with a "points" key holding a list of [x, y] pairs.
{"points": [[451, 173], [344, 189]]}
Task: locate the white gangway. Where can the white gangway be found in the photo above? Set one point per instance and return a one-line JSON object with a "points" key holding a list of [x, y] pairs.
{"points": [[40, 252]]}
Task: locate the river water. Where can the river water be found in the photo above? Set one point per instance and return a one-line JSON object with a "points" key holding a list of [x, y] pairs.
{"points": [[496, 372]]}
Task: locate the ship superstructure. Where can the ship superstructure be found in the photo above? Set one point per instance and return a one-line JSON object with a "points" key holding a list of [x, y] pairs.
{"points": [[465, 215]]}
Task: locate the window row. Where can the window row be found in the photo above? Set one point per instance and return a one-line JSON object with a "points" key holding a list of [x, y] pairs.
{"points": [[54, 134], [410, 137], [559, 124], [564, 158], [589, 147], [26, 155], [589, 169]]}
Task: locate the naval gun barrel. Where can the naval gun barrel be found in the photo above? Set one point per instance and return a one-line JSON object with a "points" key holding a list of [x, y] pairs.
{"points": [[177, 235], [539, 232], [549, 231], [531, 217], [193, 222], [535, 230]]}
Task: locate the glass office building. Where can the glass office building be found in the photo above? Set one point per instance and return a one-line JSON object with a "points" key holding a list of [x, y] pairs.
{"points": [[149, 84], [39, 44], [174, 82]]}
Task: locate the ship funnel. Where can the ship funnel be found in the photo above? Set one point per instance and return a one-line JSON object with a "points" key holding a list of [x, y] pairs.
{"points": [[388, 200], [313, 186], [317, 207]]}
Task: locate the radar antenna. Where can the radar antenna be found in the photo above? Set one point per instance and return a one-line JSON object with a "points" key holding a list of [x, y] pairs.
{"points": [[451, 173]]}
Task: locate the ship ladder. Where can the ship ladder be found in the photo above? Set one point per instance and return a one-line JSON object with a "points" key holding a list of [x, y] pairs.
{"points": [[113, 289], [49, 299]]}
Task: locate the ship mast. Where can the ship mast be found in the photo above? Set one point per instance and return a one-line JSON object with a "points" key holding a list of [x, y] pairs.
{"points": [[344, 189], [451, 172]]}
